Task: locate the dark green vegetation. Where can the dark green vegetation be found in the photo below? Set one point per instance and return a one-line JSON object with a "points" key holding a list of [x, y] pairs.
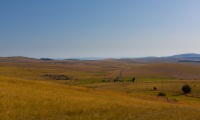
{"points": [[73, 89], [186, 89], [161, 94]]}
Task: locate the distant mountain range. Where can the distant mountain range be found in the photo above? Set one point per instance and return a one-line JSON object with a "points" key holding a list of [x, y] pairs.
{"points": [[179, 56], [189, 57], [87, 58]]}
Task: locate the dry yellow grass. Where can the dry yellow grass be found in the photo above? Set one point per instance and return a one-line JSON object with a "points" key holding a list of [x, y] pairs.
{"points": [[25, 95], [34, 100], [96, 70]]}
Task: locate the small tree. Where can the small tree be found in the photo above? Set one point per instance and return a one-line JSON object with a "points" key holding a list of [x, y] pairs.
{"points": [[161, 94], [154, 88], [186, 89], [133, 79]]}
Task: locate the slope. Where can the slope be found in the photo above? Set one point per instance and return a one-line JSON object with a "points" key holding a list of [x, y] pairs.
{"points": [[22, 99]]}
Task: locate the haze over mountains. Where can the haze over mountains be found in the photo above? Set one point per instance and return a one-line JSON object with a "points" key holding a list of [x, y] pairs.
{"points": [[187, 56]]}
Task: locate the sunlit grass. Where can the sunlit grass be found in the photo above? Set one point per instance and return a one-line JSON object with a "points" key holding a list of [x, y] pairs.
{"points": [[21, 100], [26, 95]]}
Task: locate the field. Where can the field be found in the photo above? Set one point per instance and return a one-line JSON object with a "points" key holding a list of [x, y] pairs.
{"points": [[29, 90]]}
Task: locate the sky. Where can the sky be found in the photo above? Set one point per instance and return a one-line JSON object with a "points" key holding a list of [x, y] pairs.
{"points": [[99, 28]]}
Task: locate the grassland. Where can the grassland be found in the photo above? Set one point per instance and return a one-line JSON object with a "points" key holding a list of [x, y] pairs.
{"points": [[26, 95]]}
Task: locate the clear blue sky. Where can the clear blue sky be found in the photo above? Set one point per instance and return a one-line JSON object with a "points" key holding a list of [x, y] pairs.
{"points": [[99, 28]]}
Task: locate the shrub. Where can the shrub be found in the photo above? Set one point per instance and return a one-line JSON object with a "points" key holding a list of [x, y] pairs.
{"points": [[161, 94], [154, 88], [103, 80], [186, 89], [133, 79]]}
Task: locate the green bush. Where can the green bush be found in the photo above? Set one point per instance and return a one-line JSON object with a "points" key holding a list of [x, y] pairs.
{"points": [[103, 80], [161, 94], [186, 89]]}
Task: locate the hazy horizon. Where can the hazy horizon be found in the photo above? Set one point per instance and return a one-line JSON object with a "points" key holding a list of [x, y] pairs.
{"points": [[105, 29], [101, 58]]}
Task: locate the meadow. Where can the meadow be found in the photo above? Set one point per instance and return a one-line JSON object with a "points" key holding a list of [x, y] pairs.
{"points": [[26, 94]]}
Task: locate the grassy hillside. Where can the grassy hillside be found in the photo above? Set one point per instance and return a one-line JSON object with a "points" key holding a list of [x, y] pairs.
{"points": [[95, 71], [34, 100], [26, 94]]}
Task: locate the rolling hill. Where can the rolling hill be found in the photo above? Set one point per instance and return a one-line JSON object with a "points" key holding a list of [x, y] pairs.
{"points": [[28, 89], [98, 69]]}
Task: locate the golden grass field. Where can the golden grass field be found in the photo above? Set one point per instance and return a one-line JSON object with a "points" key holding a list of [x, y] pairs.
{"points": [[26, 95]]}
